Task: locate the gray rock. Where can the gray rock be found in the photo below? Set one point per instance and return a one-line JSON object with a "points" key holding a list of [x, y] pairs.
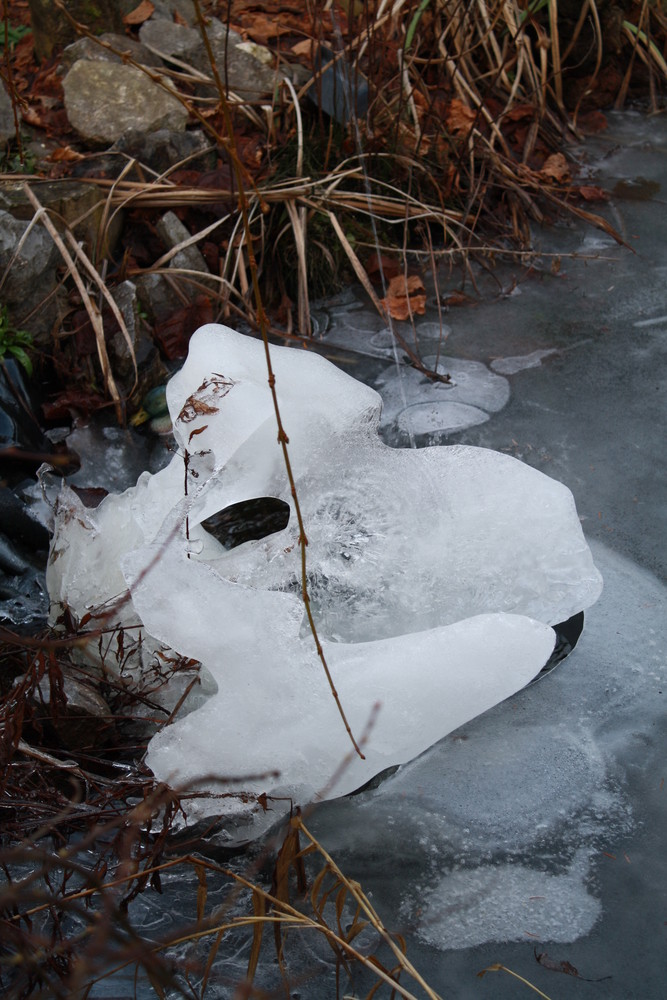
{"points": [[7, 127], [170, 39], [171, 231], [246, 75], [157, 297], [163, 149], [103, 100], [125, 297], [70, 203], [29, 277], [88, 48], [165, 10]]}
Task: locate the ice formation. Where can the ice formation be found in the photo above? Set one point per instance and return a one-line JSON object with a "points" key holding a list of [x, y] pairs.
{"points": [[434, 576]]}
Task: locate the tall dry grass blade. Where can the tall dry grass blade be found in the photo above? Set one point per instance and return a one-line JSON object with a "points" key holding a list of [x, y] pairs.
{"points": [[356, 263], [355, 891], [259, 910], [497, 967], [597, 27], [555, 54], [87, 302], [297, 217]]}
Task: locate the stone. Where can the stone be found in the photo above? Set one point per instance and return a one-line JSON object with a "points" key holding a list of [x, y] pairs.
{"points": [[163, 149], [157, 297], [70, 203], [172, 232], [184, 9], [170, 39], [88, 48], [104, 100], [29, 276], [247, 76]]}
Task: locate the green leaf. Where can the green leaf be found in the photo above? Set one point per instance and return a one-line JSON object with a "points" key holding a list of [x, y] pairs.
{"points": [[414, 22], [21, 357]]}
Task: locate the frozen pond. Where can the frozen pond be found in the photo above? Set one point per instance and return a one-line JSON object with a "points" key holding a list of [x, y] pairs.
{"points": [[540, 825]]}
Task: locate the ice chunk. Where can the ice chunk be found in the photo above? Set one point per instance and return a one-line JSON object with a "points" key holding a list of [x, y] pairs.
{"points": [[433, 574]]}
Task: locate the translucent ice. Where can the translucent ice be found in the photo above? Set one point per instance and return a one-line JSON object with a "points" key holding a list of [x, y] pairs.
{"points": [[434, 575]]}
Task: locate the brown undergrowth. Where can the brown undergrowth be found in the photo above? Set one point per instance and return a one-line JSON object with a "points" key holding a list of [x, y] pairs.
{"points": [[450, 140]]}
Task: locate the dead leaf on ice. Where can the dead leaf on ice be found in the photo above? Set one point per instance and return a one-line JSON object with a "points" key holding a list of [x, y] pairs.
{"points": [[556, 169], [405, 297]]}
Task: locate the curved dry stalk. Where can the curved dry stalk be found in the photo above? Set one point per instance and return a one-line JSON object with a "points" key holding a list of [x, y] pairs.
{"points": [[87, 300], [283, 439]]}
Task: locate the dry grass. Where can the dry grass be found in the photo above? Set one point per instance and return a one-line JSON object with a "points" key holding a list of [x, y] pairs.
{"points": [[466, 104]]}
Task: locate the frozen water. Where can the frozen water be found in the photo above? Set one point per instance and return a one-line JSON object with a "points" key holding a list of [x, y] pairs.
{"points": [[452, 560], [507, 903], [414, 403], [510, 366]]}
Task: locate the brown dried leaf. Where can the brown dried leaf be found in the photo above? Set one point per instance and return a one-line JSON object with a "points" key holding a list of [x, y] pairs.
{"points": [[556, 169], [262, 28], [304, 49], [379, 265], [140, 13], [458, 298], [405, 297], [459, 118], [65, 154], [589, 192]]}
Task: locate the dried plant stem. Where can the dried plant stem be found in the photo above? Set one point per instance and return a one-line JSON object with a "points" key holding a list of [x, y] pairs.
{"points": [[497, 967], [87, 300], [263, 324]]}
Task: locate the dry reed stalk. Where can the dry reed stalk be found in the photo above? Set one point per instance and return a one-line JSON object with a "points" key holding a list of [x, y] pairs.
{"points": [[87, 300]]}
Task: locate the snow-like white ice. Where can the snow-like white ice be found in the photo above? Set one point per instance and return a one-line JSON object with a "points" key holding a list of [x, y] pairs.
{"points": [[508, 903], [434, 576]]}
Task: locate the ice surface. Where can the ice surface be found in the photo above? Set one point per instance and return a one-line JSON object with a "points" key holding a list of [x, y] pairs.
{"points": [[415, 404], [529, 801], [433, 574], [507, 903], [510, 366]]}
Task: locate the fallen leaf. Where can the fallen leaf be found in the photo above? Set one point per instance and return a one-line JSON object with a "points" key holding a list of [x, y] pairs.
{"points": [[591, 193], [173, 333], [519, 112], [377, 265], [459, 118], [140, 13], [549, 963], [458, 298], [563, 966], [304, 49], [405, 297], [556, 168], [262, 28], [592, 122], [65, 154]]}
